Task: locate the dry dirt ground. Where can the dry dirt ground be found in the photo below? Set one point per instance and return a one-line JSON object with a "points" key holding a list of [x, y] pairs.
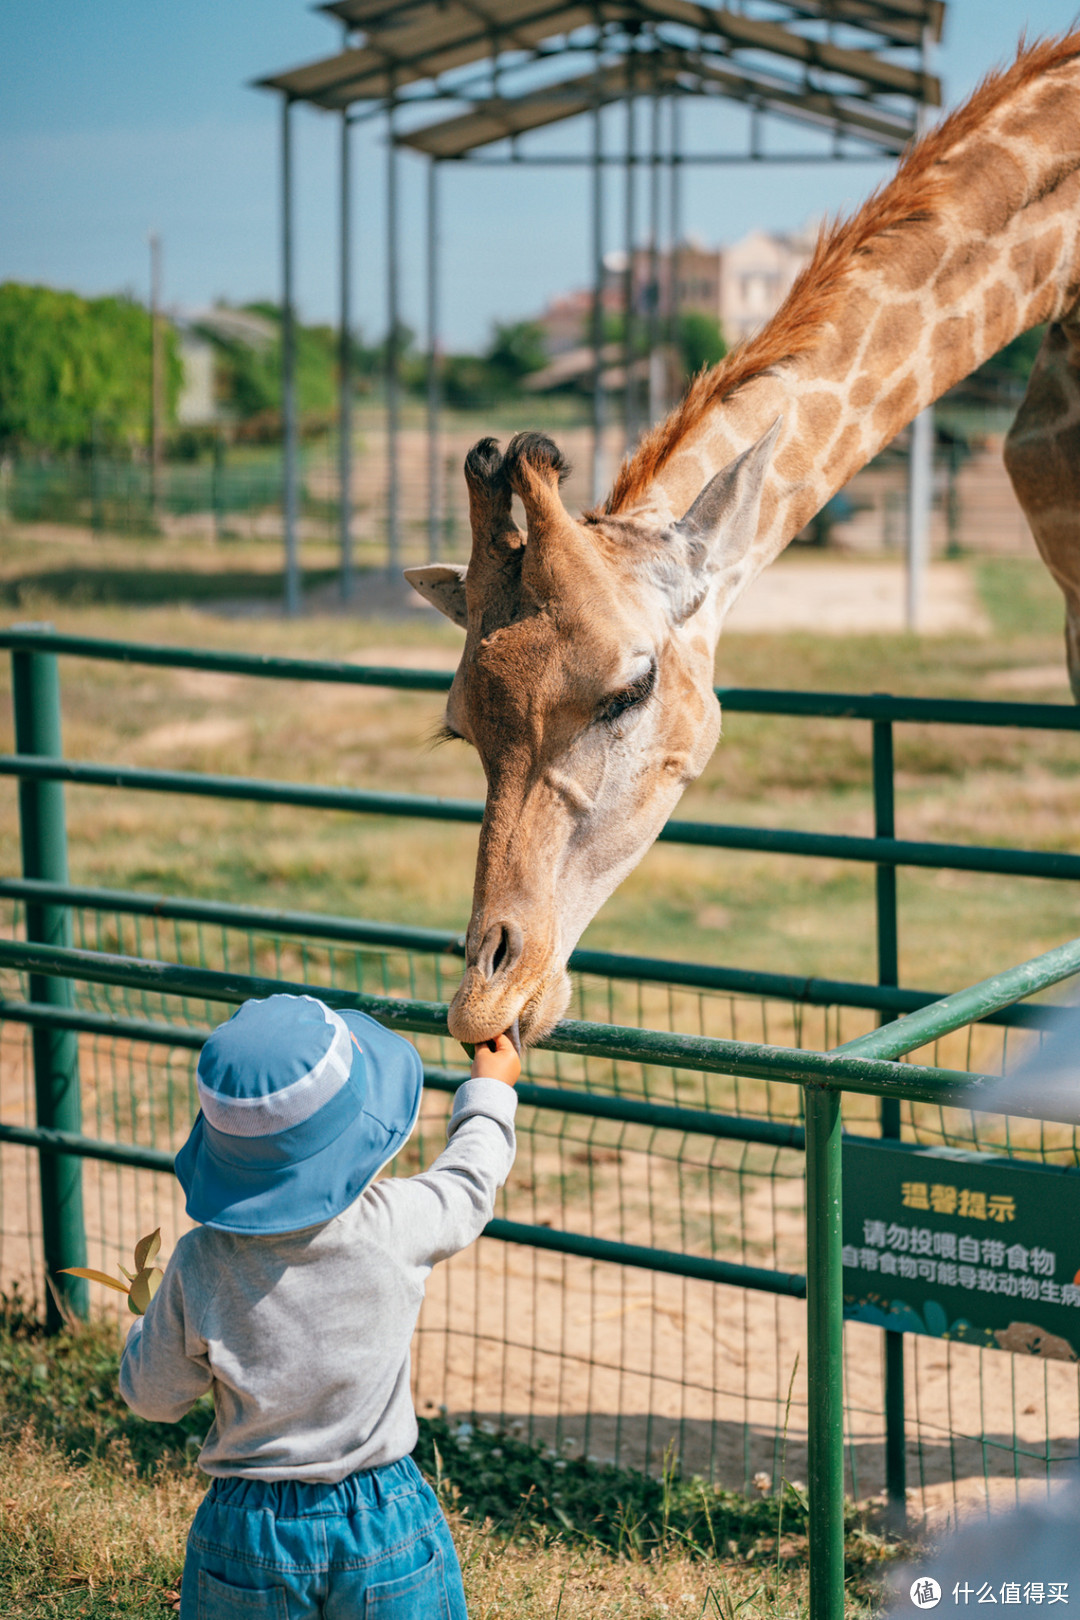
{"points": [[836, 596], [618, 1363], [825, 595], [615, 1361]]}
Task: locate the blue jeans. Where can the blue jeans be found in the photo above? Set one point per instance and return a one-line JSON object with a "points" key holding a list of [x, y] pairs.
{"points": [[374, 1546]]}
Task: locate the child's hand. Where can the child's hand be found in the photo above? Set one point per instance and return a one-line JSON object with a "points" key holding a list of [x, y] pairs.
{"points": [[501, 1064], [142, 1285]]}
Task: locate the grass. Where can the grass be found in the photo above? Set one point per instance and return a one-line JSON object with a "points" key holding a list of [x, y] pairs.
{"points": [[95, 1505], [954, 784]]}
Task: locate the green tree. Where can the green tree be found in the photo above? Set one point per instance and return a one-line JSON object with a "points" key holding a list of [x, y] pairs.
{"points": [[75, 371], [701, 342], [515, 350], [472, 380], [249, 374], [699, 338], [467, 381]]}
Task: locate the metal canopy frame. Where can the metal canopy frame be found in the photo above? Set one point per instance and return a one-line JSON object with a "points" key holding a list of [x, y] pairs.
{"points": [[405, 46], [781, 58], [854, 70], [830, 65], [672, 70]]}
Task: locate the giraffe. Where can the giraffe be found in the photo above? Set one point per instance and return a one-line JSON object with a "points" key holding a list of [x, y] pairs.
{"points": [[586, 679]]}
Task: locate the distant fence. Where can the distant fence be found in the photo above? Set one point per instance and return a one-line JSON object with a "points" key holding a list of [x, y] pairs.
{"points": [[236, 493], [119, 496], [645, 1279]]}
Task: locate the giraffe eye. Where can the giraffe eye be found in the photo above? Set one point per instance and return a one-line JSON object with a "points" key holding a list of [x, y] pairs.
{"points": [[630, 697]]}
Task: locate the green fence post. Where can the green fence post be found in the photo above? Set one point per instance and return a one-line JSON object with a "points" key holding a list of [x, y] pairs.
{"points": [[36, 691], [889, 973], [825, 1352]]}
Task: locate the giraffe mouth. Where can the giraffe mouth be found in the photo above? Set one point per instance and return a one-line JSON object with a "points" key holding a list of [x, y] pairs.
{"points": [[481, 1010]]}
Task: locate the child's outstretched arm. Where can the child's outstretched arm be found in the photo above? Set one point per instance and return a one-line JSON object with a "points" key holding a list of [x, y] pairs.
{"points": [[435, 1214]]}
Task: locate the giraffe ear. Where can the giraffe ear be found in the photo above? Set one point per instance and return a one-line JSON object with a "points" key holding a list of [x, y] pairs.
{"points": [[443, 585], [719, 529], [724, 516]]}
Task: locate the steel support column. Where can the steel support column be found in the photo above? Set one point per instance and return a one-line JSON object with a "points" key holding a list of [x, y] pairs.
{"points": [[393, 542], [345, 377], [630, 413], [599, 469], [674, 227], [434, 513], [825, 1339], [657, 390], [888, 952], [43, 832], [919, 499], [290, 436]]}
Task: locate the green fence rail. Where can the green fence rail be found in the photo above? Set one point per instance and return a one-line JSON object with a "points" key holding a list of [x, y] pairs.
{"points": [[866, 1066], [812, 990]]}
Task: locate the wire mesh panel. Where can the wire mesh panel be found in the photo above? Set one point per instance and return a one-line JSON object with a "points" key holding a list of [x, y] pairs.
{"points": [[618, 1362], [983, 1425]]}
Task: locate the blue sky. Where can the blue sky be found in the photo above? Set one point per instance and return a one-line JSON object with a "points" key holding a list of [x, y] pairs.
{"points": [[121, 115]]}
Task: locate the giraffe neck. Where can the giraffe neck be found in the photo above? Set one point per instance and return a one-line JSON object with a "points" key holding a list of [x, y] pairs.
{"points": [[918, 308]]}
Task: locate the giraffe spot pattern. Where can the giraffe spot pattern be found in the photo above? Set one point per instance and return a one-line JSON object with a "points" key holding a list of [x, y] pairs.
{"points": [[819, 416], [1033, 261], [964, 268], [845, 454], [907, 262], [863, 391], [897, 408], [895, 335], [991, 185]]}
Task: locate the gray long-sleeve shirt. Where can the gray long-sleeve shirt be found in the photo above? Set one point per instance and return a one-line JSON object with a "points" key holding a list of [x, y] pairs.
{"points": [[304, 1337]]}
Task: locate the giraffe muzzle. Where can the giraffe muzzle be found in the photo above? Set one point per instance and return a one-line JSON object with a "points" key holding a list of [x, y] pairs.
{"points": [[507, 986]]}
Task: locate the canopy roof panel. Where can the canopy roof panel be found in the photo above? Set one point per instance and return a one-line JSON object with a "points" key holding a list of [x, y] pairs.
{"points": [[900, 21], [407, 43], [498, 118], [875, 72]]}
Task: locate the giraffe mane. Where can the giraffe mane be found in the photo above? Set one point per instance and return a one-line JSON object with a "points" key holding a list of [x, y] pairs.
{"points": [[909, 197]]}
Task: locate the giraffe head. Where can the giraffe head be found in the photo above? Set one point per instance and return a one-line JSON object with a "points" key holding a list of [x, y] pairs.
{"points": [[585, 686]]}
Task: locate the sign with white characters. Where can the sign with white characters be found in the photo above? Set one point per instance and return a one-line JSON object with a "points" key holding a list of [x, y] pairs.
{"points": [[963, 1246], [1009, 1592]]}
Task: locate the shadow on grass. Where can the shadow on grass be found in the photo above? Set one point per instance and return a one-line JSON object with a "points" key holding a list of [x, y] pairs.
{"points": [[64, 1389], [522, 1489], [151, 586]]}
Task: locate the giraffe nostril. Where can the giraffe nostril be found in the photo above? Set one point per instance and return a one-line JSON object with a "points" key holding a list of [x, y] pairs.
{"points": [[501, 948]]}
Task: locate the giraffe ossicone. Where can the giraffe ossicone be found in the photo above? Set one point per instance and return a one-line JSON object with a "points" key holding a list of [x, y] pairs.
{"points": [[586, 680]]}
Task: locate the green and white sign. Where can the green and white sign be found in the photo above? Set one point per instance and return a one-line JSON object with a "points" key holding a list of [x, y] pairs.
{"points": [[963, 1246]]}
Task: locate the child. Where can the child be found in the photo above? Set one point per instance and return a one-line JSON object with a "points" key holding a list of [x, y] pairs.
{"points": [[295, 1303]]}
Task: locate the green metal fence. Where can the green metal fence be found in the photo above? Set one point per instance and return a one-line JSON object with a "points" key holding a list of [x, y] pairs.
{"points": [[644, 1280], [121, 496]]}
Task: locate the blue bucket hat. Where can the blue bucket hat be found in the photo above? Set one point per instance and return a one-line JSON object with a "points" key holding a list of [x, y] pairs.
{"points": [[300, 1108]]}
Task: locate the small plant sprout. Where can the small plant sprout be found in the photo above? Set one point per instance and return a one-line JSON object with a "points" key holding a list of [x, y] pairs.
{"points": [[142, 1283]]}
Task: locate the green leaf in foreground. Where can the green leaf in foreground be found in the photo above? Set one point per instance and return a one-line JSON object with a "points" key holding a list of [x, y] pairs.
{"points": [[93, 1276]]}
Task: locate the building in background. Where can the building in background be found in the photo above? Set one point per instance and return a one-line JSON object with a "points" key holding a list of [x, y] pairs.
{"points": [[740, 286], [755, 276], [206, 339]]}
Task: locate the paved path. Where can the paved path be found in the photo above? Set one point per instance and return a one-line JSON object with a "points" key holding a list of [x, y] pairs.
{"points": [[848, 596]]}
